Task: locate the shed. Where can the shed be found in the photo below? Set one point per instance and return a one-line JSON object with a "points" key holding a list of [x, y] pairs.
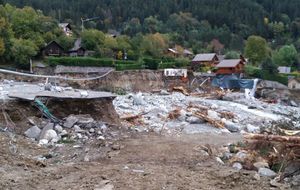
{"points": [[294, 83], [66, 27]]}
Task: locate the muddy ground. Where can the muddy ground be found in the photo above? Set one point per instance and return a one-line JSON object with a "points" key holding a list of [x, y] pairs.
{"points": [[129, 161]]}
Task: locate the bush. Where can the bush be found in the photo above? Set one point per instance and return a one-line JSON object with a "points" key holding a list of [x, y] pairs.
{"points": [[253, 71], [117, 62], [80, 61], [167, 65], [151, 63], [123, 67]]}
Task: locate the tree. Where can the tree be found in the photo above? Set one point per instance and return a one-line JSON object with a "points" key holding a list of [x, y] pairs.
{"points": [[2, 47], [110, 42], [232, 55], [154, 45], [285, 56], [23, 51], [269, 66], [92, 38], [256, 49]]}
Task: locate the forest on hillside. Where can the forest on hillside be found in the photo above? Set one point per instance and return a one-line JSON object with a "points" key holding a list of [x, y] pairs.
{"points": [[149, 27], [190, 21]]}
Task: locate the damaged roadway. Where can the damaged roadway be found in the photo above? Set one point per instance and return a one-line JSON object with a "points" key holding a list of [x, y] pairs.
{"points": [[164, 140]]}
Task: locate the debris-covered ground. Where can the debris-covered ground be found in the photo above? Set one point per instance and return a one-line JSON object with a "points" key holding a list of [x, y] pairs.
{"points": [[166, 140]]}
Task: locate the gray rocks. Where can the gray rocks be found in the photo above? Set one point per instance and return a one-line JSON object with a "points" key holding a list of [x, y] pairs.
{"points": [[232, 127], [252, 128], [237, 166], [212, 114], [58, 128], [49, 126], [220, 161], [164, 92], [70, 121], [194, 120], [258, 165], [50, 135], [138, 99], [33, 132], [266, 172]]}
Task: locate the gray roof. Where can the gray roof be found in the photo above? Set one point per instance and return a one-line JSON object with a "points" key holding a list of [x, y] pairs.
{"points": [[204, 57], [77, 44], [63, 25], [60, 69], [187, 52], [229, 63]]}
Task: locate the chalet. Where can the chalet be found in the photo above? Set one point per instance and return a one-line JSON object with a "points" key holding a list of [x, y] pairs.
{"points": [[77, 50], [294, 83], [52, 49], [205, 59], [66, 27], [231, 66]]}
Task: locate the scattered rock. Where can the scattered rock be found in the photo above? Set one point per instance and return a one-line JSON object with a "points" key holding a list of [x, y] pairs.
{"points": [[237, 166], [33, 132], [293, 103], [70, 121], [256, 176], [77, 128], [241, 156], [252, 129], [194, 120], [43, 142], [258, 165], [213, 114], [164, 92], [49, 126], [266, 172], [296, 181], [138, 99], [232, 127], [220, 161], [50, 135], [92, 130], [58, 128]]}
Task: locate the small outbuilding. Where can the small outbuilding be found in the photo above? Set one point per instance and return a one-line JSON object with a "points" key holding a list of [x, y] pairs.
{"points": [[77, 50], [294, 83]]}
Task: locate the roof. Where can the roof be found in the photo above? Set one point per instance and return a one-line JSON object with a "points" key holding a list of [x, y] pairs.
{"points": [[187, 52], [204, 57], [77, 45], [64, 25], [52, 43], [172, 50], [295, 79], [229, 63]]}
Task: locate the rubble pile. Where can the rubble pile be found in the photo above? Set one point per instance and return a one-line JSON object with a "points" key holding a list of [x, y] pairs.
{"points": [[167, 112], [74, 128]]}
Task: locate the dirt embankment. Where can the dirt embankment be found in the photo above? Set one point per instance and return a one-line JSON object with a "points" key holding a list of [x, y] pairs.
{"points": [[139, 162], [19, 111]]}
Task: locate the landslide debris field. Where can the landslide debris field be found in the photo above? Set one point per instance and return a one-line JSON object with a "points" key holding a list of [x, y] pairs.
{"points": [[160, 140]]}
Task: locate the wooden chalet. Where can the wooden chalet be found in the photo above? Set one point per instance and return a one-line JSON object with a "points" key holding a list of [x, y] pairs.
{"points": [[52, 49], [231, 66], [205, 59]]}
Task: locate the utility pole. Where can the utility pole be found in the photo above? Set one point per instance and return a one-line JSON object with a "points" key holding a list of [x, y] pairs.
{"points": [[87, 20]]}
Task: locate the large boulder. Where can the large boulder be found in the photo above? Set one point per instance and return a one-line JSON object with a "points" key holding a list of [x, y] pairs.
{"points": [[33, 132], [70, 121]]}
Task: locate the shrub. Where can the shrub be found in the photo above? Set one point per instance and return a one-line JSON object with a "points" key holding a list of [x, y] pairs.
{"points": [[123, 67], [151, 63], [167, 65], [117, 62], [80, 61]]}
